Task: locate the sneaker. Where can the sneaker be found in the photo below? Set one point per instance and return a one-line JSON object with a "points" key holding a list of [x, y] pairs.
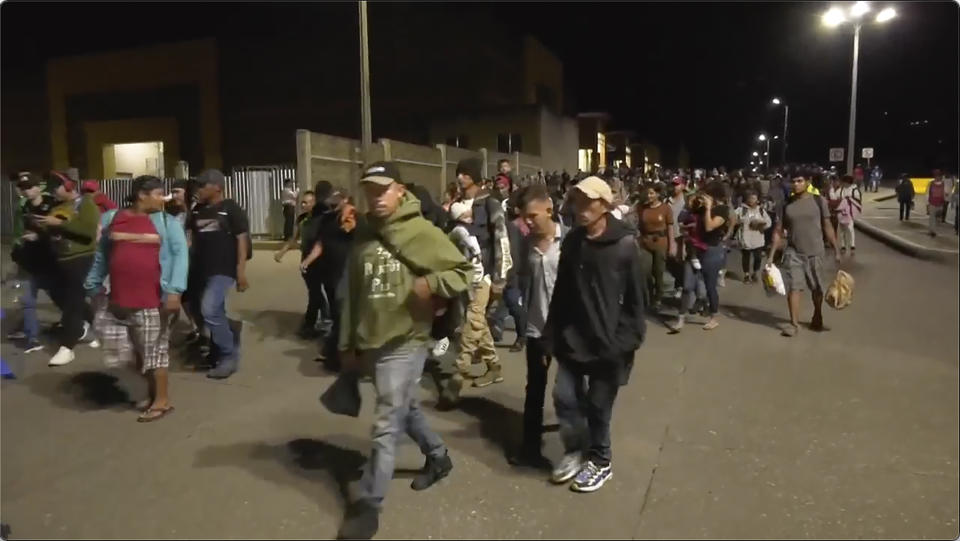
{"points": [[61, 357], [441, 347], [568, 468], [361, 521], [16, 335], [32, 346], [676, 325], [450, 394], [433, 471], [223, 370], [86, 332], [591, 477], [95, 344], [529, 459], [493, 375], [518, 345]]}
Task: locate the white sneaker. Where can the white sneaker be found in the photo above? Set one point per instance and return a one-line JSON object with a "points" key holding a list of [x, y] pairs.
{"points": [[95, 344], [86, 331], [62, 357], [568, 468], [441, 347]]}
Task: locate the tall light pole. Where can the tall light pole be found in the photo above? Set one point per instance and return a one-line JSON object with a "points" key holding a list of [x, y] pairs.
{"points": [[786, 118], [833, 18], [763, 138], [366, 137]]}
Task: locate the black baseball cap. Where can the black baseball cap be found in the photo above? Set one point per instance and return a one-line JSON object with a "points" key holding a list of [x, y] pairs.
{"points": [[382, 173], [27, 180]]}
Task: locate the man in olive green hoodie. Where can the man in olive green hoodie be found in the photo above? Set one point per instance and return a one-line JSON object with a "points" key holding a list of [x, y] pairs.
{"points": [[73, 226], [402, 268]]}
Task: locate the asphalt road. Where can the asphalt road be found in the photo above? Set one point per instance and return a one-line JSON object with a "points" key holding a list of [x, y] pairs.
{"points": [[733, 433]]}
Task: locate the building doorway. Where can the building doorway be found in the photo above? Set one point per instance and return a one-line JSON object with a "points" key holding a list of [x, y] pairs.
{"points": [[129, 160]]}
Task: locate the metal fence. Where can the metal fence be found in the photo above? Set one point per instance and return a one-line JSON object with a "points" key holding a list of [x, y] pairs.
{"points": [[255, 188]]}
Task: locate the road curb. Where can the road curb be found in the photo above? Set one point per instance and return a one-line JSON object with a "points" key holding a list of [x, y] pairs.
{"points": [[903, 245]]}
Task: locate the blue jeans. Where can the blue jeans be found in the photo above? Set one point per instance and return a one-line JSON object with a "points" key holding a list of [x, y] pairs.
{"points": [[397, 372], [31, 326], [583, 395], [511, 302], [213, 306], [712, 260]]}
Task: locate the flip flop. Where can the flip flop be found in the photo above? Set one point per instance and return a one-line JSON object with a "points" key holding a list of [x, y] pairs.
{"points": [[146, 417]]}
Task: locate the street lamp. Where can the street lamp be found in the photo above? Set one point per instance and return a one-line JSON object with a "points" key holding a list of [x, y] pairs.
{"points": [[764, 139], [786, 118], [755, 153], [834, 17]]}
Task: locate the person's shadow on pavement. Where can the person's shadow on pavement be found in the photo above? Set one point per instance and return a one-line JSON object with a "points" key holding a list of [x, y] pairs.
{"points": [[301, 463], [500, 425], [83, 390]]}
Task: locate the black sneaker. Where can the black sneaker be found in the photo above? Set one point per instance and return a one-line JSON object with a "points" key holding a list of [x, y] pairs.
{"points": [[433, 471], [528, 458], [361, 521]]}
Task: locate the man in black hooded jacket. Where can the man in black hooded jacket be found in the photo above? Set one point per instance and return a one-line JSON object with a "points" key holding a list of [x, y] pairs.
{"points": [[594, 327]]}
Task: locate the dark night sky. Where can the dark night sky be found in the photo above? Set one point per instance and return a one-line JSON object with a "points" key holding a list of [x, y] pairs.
{"points": [[696, 74]]}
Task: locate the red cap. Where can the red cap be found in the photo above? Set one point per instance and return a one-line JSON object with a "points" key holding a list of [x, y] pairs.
{"points": [[89, 186]]}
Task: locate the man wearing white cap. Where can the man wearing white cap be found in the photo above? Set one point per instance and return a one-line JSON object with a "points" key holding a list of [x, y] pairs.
{"points": [[595, 324]]}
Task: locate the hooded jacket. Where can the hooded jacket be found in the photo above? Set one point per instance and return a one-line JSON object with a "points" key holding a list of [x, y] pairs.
{"points": [[388, 254], [490, 227], [597, 313]]}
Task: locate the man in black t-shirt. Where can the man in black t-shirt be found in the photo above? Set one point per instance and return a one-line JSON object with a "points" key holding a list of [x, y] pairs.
{"points": [[219, 235]]}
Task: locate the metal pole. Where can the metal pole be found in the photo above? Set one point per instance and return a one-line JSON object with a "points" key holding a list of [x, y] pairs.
{"points": [[786, 118], [366, 137], [853, 101]]}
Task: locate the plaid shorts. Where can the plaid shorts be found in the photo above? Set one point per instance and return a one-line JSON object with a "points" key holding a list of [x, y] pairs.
{"points": [[143, 335]]}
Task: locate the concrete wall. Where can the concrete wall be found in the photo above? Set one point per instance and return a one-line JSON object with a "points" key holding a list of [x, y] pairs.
{"points": [[338, 161], [560, 142], [417, 164]]}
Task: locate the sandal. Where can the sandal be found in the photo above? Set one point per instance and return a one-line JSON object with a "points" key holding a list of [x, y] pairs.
{"points": [[154, 414]]}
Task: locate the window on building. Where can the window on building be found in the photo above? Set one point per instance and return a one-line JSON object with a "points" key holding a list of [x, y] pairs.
{"points": [[459, 141], [508, 143]]}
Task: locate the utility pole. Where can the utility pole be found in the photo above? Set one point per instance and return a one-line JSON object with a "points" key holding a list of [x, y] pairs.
{"points": [[851, 132], [366, 136]]}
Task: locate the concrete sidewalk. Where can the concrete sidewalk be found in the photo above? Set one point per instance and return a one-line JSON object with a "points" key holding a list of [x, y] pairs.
{"points": [[881, 220]]}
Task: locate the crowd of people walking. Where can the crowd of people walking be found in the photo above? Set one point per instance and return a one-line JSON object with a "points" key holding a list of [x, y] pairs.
{"points": [[579, 263]]}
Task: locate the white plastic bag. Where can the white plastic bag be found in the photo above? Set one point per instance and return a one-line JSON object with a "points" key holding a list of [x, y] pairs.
{"points": [[773, 281]]}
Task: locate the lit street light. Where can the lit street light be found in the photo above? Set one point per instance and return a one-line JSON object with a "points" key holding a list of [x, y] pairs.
{"points": [[786, 118], [755, 153], [835, 17], [764, 139]]}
